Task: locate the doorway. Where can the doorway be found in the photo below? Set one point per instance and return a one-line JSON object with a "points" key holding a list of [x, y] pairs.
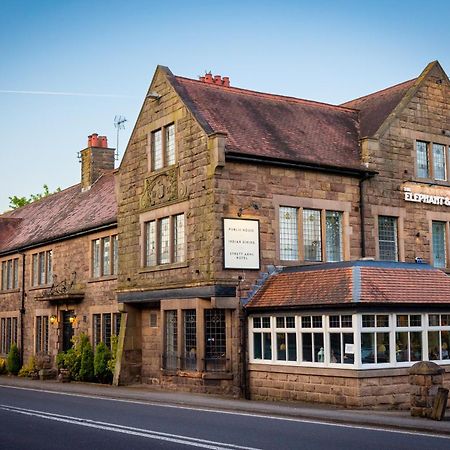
{"points": [[67, 330]]}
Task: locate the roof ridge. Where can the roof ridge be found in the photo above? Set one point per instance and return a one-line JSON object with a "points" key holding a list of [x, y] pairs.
{"points": [[277, 97], [377, 92]]}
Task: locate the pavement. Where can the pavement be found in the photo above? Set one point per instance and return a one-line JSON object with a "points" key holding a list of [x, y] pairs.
{"points": [[399, 420]]}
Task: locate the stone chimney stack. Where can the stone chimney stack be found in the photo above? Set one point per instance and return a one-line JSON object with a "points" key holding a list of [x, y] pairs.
{"points": [[96, 159]]}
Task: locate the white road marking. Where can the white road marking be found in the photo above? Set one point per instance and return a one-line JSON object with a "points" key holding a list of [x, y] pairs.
{"points": [[149, 434], [237, 413]]}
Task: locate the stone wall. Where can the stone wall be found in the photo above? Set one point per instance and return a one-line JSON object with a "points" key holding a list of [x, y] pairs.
{"points": [[377, 389]]}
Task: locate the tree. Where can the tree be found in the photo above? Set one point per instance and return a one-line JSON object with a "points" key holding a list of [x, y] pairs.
{"points": [[17, 202]]}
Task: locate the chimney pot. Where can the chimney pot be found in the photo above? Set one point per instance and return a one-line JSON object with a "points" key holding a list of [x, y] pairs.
{"points": [[218, 80], [94, 140], [208, 78], [226, 81]]}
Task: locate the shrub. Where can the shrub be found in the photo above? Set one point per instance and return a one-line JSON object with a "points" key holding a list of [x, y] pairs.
{"points": [[61, 360], [101, 360], [3, 368], [13, 360], [29, 368], [87, 363]]}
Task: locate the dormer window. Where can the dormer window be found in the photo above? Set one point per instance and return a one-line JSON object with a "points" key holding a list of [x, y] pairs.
{"points": [[163, 147]]}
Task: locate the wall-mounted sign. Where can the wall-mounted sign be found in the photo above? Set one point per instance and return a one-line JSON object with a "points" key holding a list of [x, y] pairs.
{"points": [[241, 244], [426, 198]]}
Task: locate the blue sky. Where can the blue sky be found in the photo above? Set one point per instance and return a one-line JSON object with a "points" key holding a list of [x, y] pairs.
{"points": [[330, 51]]}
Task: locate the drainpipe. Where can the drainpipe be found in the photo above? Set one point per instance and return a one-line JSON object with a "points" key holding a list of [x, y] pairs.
{"points": [[365, 177], [22, 309]]}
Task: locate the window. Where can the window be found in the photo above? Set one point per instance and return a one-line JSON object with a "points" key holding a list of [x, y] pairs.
{"points": [[190, 339], [163, 147], [321, 237], [432, 160], [358, 340], [312, 339], [10, 274], [171, 340], [439, 166], [286, 338], [41, 344], [262, 338], [215, 340], [438, 337], [422, 159], [375, 347], [42, 272], [105, 325], [105, 252], [439, 244], [341, 340], [8, 333], [408, 338], [387, 238], [165, 240]]}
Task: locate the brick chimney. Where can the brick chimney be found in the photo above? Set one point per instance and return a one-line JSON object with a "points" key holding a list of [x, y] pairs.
{"points": [[216, 79], [96, 159]]}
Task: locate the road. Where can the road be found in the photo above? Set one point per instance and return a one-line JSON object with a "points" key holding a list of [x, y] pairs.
{"points": [[33, 419]]}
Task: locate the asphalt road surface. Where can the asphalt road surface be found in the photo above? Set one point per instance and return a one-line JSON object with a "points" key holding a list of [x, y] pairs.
{"points": [[32, 419]]}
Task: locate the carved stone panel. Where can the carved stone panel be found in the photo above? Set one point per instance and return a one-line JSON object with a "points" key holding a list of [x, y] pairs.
{"points": [[160, 189]]}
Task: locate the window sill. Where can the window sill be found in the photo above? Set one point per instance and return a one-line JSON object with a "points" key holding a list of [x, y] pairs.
{"points": [[429, 182], [161, 267], [105, 278], [195, 374], [10, 291]]}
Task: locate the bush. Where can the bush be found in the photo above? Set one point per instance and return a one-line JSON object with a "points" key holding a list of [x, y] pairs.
{"points": [[13, 360], [101, 360], [87, 363], [61, 360], [29, 368], [3, 368]]}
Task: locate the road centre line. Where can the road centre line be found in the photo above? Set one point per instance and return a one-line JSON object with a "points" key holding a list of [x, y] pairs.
{"points": [[237, 413], [141, 432]]}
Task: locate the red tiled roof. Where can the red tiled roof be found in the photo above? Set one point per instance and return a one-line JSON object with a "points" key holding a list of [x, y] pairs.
{"points": [[273, 126], [61, 214], [375, 108], [353, 284]]}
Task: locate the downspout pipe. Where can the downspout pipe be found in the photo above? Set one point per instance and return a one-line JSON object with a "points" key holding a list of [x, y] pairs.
{"points": [[364, 177], [22, 309]]}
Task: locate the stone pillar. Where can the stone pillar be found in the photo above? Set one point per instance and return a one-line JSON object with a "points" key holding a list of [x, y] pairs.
{"points": [[425, 378]]}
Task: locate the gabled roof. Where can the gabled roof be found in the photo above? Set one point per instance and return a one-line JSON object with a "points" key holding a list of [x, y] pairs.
{"points": [[59, 215], [375, 108], [360, 282], [274, 127]]}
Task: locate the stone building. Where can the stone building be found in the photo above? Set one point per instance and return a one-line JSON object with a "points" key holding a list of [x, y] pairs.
{"points": [[268, 246], [221, 187], [58, 260]]}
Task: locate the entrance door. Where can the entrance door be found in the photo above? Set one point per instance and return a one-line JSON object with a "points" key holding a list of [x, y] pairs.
{"points": [[67, 330]]}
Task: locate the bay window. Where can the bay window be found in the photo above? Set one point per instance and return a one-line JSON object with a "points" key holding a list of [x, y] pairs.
{"points": [[358, 340]]}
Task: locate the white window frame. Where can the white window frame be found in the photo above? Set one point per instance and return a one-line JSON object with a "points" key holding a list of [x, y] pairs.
{"points": [[357, 329]]}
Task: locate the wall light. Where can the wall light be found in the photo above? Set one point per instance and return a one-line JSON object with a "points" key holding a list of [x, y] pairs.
{"points": [[73, 318], [53, 319]]}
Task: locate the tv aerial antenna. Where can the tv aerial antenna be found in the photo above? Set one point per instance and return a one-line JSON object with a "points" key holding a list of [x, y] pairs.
{"points": [[119, 124]]}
